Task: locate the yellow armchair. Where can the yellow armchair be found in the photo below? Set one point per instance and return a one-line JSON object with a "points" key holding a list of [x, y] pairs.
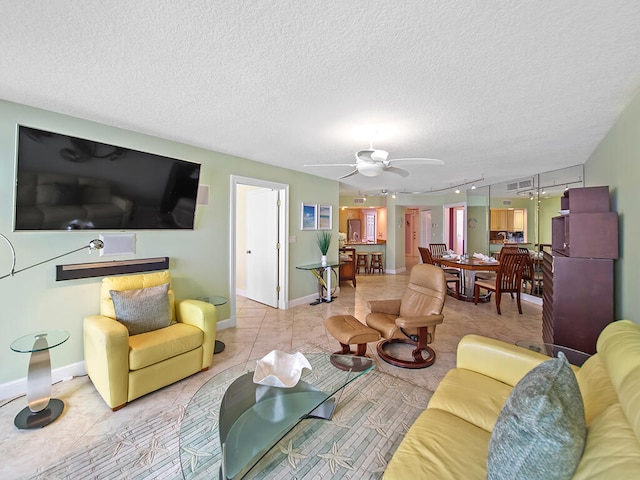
{"points": [[124, 367]]}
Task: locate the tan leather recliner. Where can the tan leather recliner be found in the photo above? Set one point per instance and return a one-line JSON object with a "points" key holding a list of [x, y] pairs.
{"points": [[124, 367], [413, 318]]}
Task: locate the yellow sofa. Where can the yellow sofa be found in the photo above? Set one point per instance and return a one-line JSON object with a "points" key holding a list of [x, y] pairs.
{"points": [[124, 367], [450, 439]]}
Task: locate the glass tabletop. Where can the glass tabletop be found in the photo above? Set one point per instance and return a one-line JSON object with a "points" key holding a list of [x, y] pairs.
{"points": [[217, 301], [316, 266], [36, 342], [231, 422], [575, 357]]}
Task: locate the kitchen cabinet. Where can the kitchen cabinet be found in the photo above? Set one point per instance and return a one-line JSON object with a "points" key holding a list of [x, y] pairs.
{"points": [[518, 220], [499, 219], [348, 268], [578, 298], [503, 219]]}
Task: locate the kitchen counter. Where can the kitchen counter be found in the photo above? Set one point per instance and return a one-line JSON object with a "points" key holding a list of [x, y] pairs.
{"points": [[353, 244]]}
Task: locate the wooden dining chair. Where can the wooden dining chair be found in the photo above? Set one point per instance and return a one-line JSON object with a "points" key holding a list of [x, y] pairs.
{"points": [[508, 279], [438, 249], [427, 258], [528, 271]]}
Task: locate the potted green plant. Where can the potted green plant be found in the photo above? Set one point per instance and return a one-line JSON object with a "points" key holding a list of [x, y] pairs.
{"points": [[324, 241]]}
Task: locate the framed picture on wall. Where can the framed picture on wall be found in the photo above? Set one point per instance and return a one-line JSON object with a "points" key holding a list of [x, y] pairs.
{"points": [[309, 216], [324, 217]]}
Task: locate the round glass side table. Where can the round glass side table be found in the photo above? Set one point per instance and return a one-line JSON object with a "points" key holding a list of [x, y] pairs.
{"points": [[41, 409], [217, 301]]}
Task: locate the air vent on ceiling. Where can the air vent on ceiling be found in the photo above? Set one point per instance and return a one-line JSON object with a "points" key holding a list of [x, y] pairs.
{"points": [[506, 203], [512, 186], [525, 184], [359, 200]]}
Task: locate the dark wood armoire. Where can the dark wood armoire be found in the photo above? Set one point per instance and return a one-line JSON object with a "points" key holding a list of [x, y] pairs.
{"points": [[578, 298]]}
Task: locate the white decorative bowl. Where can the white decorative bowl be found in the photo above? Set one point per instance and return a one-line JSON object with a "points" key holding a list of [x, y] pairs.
{"points": [[280, 369]]}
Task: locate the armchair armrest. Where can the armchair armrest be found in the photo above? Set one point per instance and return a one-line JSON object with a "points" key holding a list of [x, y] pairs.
{"points": [[391, 307], [204, 316], [106, 357], [502, 361]]}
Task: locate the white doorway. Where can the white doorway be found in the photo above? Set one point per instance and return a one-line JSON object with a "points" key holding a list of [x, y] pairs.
{"points": [[425, 228], [277, 226], [412, 230], [455, 232]]}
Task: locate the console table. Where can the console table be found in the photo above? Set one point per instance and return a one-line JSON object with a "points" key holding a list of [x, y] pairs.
{"points": [[318, 269], [41, 409]]}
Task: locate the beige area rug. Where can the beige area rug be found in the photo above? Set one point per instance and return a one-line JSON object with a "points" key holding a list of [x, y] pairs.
{"points": [[373, 415]]}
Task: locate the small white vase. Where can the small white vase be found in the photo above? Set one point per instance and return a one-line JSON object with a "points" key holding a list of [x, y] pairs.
{"points": [[323, 261]]}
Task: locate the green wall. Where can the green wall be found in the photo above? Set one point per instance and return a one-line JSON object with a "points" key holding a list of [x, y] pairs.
{"points": [[615, 162], [33, 301]]}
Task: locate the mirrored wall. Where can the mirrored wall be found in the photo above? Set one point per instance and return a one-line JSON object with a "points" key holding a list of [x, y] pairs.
{"points": [[519, 212]]}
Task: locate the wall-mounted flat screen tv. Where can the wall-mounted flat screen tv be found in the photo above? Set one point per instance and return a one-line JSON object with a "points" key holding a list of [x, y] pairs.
{"points": [[68, 183]]}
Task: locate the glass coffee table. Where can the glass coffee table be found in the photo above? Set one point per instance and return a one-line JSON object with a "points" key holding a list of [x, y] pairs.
{"points": [[231, 422]]}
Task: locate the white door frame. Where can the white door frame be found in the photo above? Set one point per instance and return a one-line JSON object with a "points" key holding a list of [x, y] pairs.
{"points": [[283, 235]]}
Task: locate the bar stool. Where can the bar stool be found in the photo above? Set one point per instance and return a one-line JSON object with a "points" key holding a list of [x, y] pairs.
{"points": [[376, 262], [362, 260]]}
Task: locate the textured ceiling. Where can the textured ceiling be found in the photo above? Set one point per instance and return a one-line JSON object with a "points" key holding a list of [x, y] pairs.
{"points": [[497, 89]]}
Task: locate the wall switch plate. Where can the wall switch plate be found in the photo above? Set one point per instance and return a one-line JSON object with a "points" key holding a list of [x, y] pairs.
{"points": [[293, 239]]}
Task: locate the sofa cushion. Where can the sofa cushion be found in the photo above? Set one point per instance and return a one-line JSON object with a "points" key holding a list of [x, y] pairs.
{"points": [[154, 347], [440, 446], [471, 396], [595, 386], [619, 347], [612, 450], [540, 432], [142, 310]]}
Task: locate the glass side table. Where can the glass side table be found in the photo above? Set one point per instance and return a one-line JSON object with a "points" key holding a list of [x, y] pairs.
{"points": [[217, 301], [41, 409], [575, 357]]}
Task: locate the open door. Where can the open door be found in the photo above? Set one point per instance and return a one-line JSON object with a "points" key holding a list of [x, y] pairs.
{"points": [[262, 246]]}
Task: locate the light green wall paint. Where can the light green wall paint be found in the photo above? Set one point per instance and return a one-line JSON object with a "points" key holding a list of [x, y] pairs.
{"points": [[615, 163], [549, 208], [477, 228], [33, 300]]}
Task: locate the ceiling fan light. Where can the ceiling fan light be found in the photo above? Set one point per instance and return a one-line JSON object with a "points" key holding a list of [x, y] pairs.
{"points": [[370, 169], [379, 155]]}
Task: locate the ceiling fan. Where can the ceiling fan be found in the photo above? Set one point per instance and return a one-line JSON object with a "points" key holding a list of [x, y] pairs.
{"points": [[371, 162]]}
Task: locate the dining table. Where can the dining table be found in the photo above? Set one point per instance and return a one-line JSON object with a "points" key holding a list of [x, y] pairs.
{"points": [[468, 267]]}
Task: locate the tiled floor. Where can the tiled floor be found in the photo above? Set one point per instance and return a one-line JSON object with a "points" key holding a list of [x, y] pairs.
{"points": [[260, 329]]}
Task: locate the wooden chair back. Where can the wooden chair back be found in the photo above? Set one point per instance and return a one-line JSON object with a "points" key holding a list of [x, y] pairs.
{"points": [[438, 249], [426, 256], [509, 276]]}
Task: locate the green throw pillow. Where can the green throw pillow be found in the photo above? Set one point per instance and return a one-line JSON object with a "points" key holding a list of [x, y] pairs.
{"points": [[540, 432], [142, 310]]}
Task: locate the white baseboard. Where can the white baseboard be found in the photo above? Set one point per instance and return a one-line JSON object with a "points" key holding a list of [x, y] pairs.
{"points": [[303, 300], [18, 387], [396, 272], [227, 323]]}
